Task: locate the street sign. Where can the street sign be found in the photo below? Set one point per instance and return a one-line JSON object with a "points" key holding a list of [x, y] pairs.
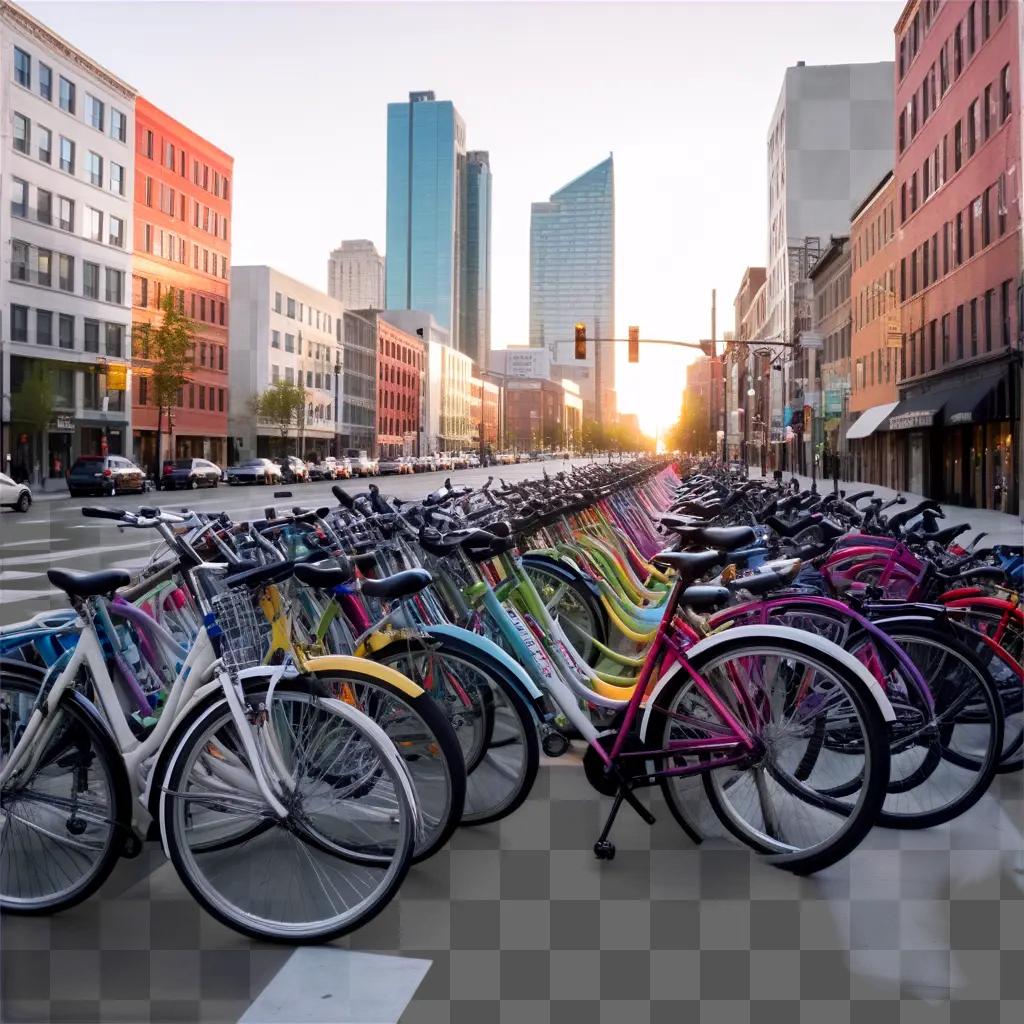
{"points": [[117, 377]]}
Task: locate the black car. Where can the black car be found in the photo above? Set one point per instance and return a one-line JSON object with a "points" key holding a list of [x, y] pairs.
{"points": [[104, 474], [191, 473], [293, 469]]}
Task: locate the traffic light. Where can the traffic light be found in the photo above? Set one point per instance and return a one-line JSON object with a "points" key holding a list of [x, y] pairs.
{"points": [[581, 341], [634, 344], [708, 348]]}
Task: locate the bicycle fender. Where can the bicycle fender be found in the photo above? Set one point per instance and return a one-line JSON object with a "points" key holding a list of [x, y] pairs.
{"points": [[488, 647], [559, 568], [798, 637], [347, 663]]}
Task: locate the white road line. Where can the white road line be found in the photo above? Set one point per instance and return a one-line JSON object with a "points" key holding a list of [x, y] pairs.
{"points": [[74, 553], [325, 985]]}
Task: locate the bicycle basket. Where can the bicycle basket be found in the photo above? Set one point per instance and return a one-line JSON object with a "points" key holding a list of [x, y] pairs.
{"points": [[245, 631]]}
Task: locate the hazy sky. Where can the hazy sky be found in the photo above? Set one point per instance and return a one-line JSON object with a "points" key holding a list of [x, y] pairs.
{"points": [[681, 93]]}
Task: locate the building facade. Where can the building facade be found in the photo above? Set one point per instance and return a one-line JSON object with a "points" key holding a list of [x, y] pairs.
{"points": [[958, 181], [474, 334], [400, 382], [448, 423], [702, 405], [876, 338], [542, 414], [284, 330], [826, 362], [572, 280], [358, 425], [355, 275], [426, 166], [182, 245], [66, 227]]}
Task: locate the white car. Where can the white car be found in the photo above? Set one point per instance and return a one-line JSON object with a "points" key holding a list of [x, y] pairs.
{"points": [[16, 496]]}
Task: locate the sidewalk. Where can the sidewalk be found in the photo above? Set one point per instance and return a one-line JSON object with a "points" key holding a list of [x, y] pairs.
{"points": [[1001, 527]]}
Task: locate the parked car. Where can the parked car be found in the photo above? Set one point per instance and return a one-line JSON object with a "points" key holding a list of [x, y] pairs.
{"points": [[254, 471], [405, 465], [16, 496], [473, 460], [443, 461], [104, 474], [423, 464], [191, 473], [363, 465], [344, 469], [460, 460], [506, 458], [389, 465], [293, 469]]}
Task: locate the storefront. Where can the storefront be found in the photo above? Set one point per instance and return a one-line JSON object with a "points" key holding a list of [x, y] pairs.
{"points": [[875, 450]]}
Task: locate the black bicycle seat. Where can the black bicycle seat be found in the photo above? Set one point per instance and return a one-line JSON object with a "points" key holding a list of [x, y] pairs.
{"points": [[690, 565], [88, 584], [262, 576], [323, 577], [402, 584], [705, 596]]}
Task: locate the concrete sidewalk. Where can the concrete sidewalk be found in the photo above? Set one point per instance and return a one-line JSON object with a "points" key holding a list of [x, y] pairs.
{"points": [[1001, 527]]}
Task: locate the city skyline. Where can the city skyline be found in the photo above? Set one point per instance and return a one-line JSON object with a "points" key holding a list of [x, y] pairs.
{"points": [[682, 230]]}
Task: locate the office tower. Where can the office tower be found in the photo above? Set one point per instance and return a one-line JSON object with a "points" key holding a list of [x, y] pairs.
{"points": [[355, 275], [474, 333], [572, 279]]}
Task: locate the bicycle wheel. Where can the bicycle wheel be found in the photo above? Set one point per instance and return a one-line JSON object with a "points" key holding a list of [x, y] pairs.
{"points": [[341, 853], [62, 828], [570, 600], [424, 738], [774, 801], [944, 757], [492, 720]]}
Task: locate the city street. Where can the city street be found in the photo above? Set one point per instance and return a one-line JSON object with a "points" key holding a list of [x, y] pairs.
{"points": [[55, 534]]}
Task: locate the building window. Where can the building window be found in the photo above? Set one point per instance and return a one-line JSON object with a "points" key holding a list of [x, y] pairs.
{"points": [[44, 143], [93, 224], [1004, 305], [202, 397], [986, 113], [22, 134], [91, 335], [960, 332], [114, 339], [44, 327], [19, 323], [958, 51], [148, 147], [289, 343], [220, 355], [958, 145], [118, 125], [95, 165], [220, 399], [44, 267], [945, 339], [1001, 205], [65, 214], [19, 198], [22, 68], [958, 240], [115, 286], [67, 155], [66, 95], [115, 231], [291, 309], [66, 331], [94, 112], [972, 128], [1004, 88], [66, 273], [275, 339], [91, 280], [19, 261], [275, 373]]}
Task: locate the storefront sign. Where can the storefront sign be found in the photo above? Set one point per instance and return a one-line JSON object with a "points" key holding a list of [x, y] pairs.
{"points": [[63, 425], [912, 420], [117, 377], [960, 417], [834, 399], [893, 331]]}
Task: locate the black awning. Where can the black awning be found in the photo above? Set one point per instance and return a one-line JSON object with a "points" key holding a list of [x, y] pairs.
{"points": [[918, 412], [975, 401]]}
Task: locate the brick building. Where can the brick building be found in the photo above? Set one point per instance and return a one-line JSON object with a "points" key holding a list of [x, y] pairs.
{"points": [[400, 368], [958, 182], [182, 243]]}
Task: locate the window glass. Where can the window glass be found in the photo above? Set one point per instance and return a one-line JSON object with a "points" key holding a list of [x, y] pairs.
{"points": [[22, 68], [66, 95], [94, 112], [22, 133], [44, 144], [67, 155], [118, 125]]}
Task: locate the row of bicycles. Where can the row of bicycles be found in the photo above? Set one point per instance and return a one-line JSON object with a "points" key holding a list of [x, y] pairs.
{"points": [[300, 707]]}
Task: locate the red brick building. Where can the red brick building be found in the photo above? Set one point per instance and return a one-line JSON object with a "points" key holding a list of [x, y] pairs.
{"points": [[182, 242], [958, 183], [399, 390]]}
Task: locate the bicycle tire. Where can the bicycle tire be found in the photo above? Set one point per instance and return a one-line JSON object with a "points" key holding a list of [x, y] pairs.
{"points": [[84, 720], [567, 576]]}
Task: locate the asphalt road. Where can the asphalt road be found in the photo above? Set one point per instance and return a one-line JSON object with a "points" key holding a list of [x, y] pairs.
{"points": [[54, 534]]}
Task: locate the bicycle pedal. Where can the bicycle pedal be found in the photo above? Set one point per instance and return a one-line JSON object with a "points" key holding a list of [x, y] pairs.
{"points": [[604, 849]]}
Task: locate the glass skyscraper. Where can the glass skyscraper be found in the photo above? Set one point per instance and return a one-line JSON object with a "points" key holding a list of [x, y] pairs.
{"points": [[426, 153], [572, 280], [474, 335]]}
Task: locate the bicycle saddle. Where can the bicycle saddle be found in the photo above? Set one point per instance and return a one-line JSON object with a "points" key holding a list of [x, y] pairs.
{"points": [[402, 584], [705, 596], [690, 565], [725, 538], [88, 584], [323, 577], [262, 576]]}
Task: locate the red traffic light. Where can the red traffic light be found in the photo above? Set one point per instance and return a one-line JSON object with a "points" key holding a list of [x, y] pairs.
{"points": [[581, 341], [634, 344]]}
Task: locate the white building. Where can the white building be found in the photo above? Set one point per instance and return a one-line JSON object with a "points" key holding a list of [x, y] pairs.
{"points": [[67, 170], [355, 275], [448, 421], [283, 330]]}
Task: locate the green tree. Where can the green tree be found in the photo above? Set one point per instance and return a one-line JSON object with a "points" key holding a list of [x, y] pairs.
{"points": [[168, 350], [32, 407], [283, 404]]}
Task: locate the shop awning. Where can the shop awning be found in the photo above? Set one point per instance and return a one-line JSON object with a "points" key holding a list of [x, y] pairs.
{"points": [[970, 402], [869, 421], [918, 412]]}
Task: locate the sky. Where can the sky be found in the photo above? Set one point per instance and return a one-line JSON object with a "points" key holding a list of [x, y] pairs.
{"points": [[681, 93]]}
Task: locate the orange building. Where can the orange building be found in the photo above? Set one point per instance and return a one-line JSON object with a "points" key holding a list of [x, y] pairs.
{"points": [[182, 242]]}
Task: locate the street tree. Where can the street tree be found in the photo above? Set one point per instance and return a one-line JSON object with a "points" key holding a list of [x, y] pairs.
{"points": [[32, 408], [283, 404], [167, 351]]}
